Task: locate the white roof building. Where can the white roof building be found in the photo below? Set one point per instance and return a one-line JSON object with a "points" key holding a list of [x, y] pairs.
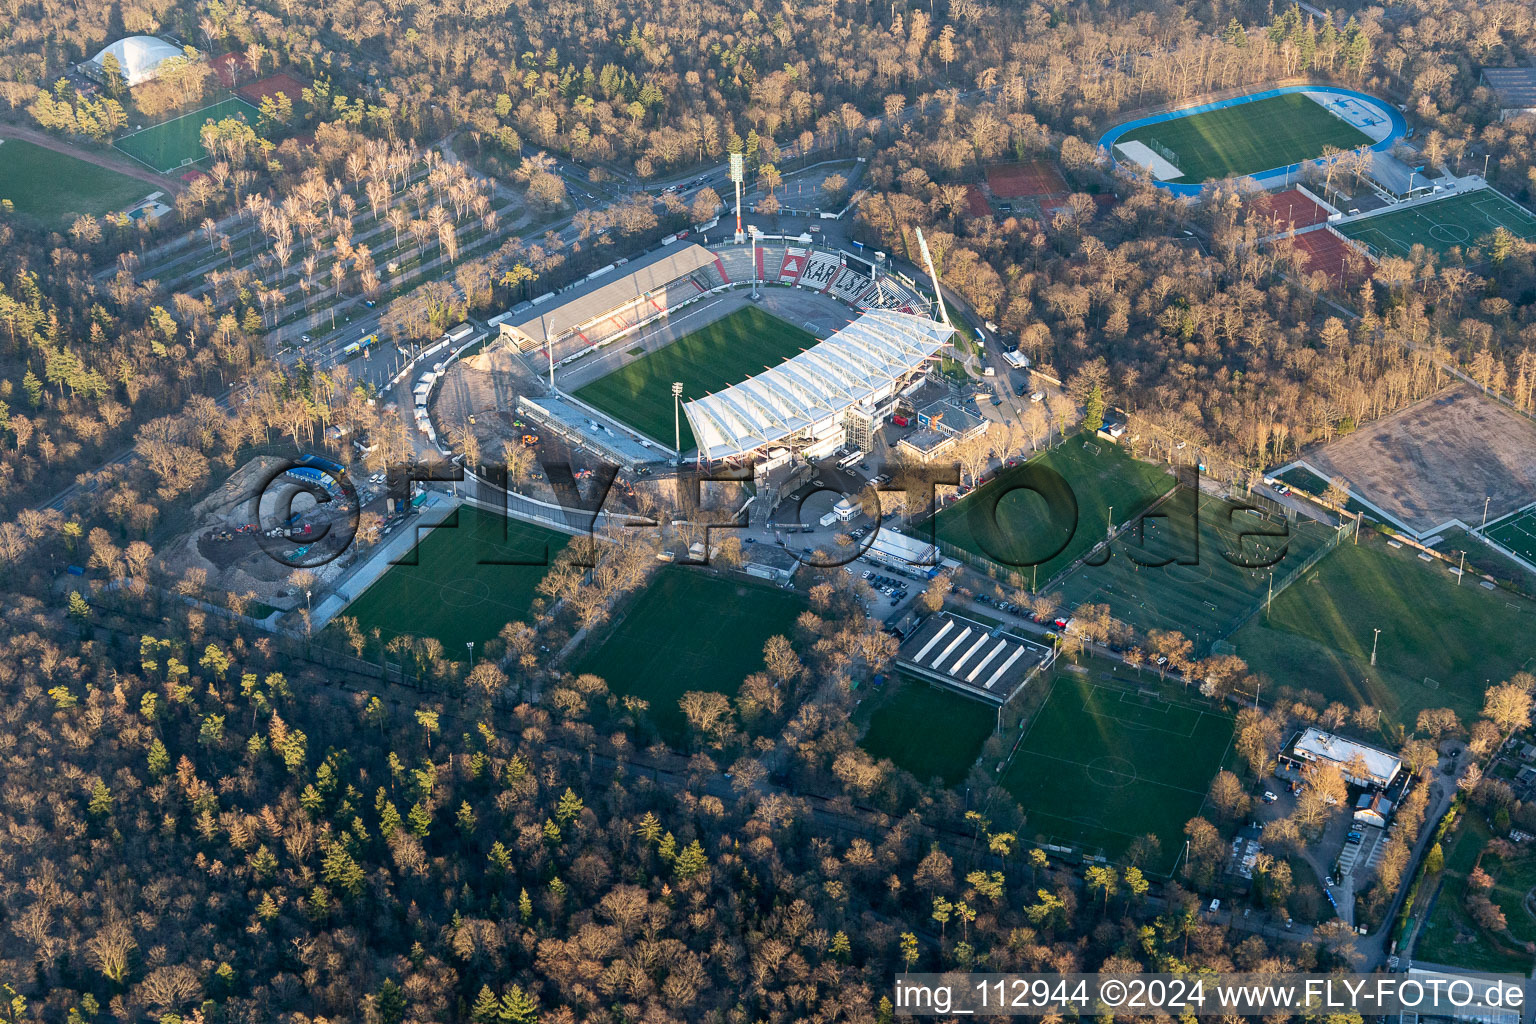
{"points": [[139, 57], [807, 393], [1380, 767]]}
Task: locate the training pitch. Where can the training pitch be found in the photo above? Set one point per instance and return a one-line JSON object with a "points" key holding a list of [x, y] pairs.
{"points": [[690, 630], [166, 146], [1466, 220], [1246, 138], [715, 357], [1440, 645], [54, 187], [928, 731], [1517, 532], [1014, 528], [1228, 579], [462, 582], [1101, 766]]}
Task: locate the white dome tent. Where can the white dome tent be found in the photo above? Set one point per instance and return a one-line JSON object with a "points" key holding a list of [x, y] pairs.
{"points": [[139, 57]]}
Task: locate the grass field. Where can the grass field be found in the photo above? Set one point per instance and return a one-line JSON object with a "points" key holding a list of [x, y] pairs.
{"points": [[690, 630], [166, 146], [1450, 936], [1440, 646], [1206, 600], [1517, 532], [53, 187], [1102, 766], [928, 731], [1465, 220], [710, 359], [1249, 138], [456, 591], [1013, 529]]}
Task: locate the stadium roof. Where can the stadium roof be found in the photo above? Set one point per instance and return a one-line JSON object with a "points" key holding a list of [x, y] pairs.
{"points": [[642, 277], [975, 658], [827, 378], [139, 56]]}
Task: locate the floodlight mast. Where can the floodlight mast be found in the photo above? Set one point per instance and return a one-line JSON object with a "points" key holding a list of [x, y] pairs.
{"points": [[922, 245], [738, 172]]}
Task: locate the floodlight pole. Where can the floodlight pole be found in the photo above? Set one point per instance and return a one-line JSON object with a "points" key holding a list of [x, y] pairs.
{"points": [[1374, 640], [1484, 528], [1462, 569], [738, 172], [922, 245], [549, 346], [677, 419]]}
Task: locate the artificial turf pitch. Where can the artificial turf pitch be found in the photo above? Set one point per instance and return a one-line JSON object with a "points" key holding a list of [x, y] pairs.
{"points": [[715, 357], [1249, 138], [1219, 562], [690, 630], [1027, 532], [1101, 766], [462, 582], [169, 144], [54, 187], [1517, 532], [928, 731], [1466, 219], [1441, 644]]}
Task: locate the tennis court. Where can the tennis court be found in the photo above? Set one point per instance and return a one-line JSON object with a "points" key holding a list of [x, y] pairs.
{"points": [[464, 581], [1039, 517], [1220, 561], [710, 359], [1517, 532], [1465, 220], [1025, 181], [690, 630], [1102, 766], [178, 142]]}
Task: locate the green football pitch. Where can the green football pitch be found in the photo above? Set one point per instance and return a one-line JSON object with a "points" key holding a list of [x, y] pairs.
{"points": [[464, 581], [724, 353], [930, 732], [170, 144], [54, 187], [1464, 220], [1440, 646], [1248, 138], [1014, 528], [690, 630], [1219, 560], [1101, 766], [1517, 532]]}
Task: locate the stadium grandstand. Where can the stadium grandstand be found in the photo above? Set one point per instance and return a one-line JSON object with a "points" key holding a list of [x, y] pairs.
{"points": [[649, 289], [808, 396]]}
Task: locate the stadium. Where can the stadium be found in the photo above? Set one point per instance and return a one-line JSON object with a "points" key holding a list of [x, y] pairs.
{"points": [[730, 353], [1266, 136]]}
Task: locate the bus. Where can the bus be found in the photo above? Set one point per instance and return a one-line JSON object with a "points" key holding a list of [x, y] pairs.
{"points": [[850, 460]]}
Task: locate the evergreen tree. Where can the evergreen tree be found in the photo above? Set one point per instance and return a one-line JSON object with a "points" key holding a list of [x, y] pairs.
{"points": [[1093, 409]]}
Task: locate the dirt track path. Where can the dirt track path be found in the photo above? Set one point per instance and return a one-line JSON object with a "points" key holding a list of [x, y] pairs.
{"points": [[121, 165]]}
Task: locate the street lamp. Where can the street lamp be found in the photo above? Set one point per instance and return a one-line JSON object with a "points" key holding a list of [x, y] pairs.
{"points": [[677, 417]]}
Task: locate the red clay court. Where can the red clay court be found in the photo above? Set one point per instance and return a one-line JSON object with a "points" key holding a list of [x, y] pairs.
{"points": [[976, 203], [1327, 252], [1289, 210], [270, 86], [1025, 181]]}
